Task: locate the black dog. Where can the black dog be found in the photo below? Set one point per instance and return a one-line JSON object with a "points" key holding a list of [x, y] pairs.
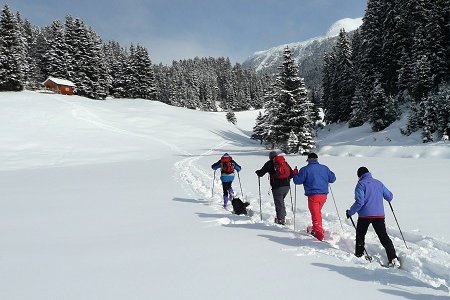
{"points": [[239, 207]]}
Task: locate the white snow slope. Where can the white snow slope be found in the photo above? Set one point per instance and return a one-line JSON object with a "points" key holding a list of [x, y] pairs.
{"points": [[115, 199]]}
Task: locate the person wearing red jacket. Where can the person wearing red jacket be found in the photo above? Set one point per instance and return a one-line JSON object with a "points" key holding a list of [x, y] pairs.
{"points": [[227, 166], [280, 186]]}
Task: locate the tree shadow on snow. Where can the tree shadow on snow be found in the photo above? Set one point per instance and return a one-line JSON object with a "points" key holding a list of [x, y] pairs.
{"points": [[187, 200], [413, 296], [384, 276], [236, 139], [232, 152]]}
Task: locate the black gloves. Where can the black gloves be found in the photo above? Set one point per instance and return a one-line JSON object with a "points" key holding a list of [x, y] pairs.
{"points": [[347, 214]]}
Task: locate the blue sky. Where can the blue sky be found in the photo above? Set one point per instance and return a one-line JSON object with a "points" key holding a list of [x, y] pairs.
{"points": [[177, 29]]}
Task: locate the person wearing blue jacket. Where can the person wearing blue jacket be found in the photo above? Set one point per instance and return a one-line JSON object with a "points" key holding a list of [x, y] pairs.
{"points": [[369, 195], [315, 178], [227, 166]]}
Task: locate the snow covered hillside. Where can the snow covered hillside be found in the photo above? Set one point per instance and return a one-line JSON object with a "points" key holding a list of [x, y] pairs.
{"points": [[273, 57], [115, 199]]}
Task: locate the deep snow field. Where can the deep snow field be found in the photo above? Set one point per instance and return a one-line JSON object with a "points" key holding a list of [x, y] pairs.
{"points": [[114, 200]]}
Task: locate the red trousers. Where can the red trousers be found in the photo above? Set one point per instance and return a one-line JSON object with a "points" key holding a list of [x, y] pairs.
{"points": [[315, 204]]}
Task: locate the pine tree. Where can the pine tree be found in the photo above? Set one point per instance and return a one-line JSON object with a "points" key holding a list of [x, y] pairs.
{"points": [[293, 110], [23, 49], [435, 42], [33, 78], [344, 77], [422, 74], [87, 64], [11, 53], [329, 88], [293, 143], [444, 105], [359, 114], [359, 105], [430, 119], [372, 34], [259, 129], [271, 107], [405, 76], [162, 81], [144, 85], [231, 117], [56, 55], [383, 113]]}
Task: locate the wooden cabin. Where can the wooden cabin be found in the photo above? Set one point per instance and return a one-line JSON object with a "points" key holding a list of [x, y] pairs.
{"points": [[60, 86]]}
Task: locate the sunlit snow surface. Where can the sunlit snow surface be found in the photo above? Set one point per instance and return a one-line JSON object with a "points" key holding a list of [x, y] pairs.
{"points": [[114, 200]]}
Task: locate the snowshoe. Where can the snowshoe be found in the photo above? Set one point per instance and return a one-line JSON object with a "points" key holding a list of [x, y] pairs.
{"points": [[279, 221], [395, 264]]}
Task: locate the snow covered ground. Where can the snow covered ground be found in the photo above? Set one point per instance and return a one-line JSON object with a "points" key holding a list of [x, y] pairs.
{"points": [[113, 200]]}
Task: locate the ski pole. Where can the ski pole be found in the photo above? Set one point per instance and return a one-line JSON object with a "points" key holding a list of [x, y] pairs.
{"points": [[398, 224], [240, 185], [259, 187], [295, 202], [290, 194], [337, 211], [214, 179], [368, 257]]}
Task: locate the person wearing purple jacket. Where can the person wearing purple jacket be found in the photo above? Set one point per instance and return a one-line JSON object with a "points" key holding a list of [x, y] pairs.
{"points": [[369, 195]]}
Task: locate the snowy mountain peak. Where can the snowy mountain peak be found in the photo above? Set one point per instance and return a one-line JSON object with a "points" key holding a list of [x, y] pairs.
{"points": [[348, 24], [270, 59]]}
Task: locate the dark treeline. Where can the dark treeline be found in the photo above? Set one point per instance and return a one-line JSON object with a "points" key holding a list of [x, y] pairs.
{"points": [[203, 82], [399, 58], [72, 50]]}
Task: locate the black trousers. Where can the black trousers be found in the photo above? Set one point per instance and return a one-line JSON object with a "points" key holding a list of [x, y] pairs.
{"points": [[380, 229], [226, 186]]}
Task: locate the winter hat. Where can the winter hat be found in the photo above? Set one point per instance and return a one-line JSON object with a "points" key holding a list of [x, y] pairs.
{"points": [[272, 154], [362, 171], [312, 156], [226, 154]]}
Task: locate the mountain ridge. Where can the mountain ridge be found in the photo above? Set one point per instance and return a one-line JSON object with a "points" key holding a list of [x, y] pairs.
{"points": [[308, 54]]}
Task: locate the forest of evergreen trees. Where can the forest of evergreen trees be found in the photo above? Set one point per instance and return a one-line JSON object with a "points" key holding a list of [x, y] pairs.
{"points": [[398, 59], [72, 50]]}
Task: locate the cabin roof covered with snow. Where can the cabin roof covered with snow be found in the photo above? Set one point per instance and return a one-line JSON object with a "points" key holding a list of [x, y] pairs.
{"points": [[60, 81]]}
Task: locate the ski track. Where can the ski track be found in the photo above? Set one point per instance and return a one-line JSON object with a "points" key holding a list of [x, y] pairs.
{"points": [[426, 261], [84, 114]]}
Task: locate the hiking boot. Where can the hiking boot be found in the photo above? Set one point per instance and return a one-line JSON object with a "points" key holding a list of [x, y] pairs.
{"points": [[309, 229], [394, 263], [359, 250], [225, 201]]}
